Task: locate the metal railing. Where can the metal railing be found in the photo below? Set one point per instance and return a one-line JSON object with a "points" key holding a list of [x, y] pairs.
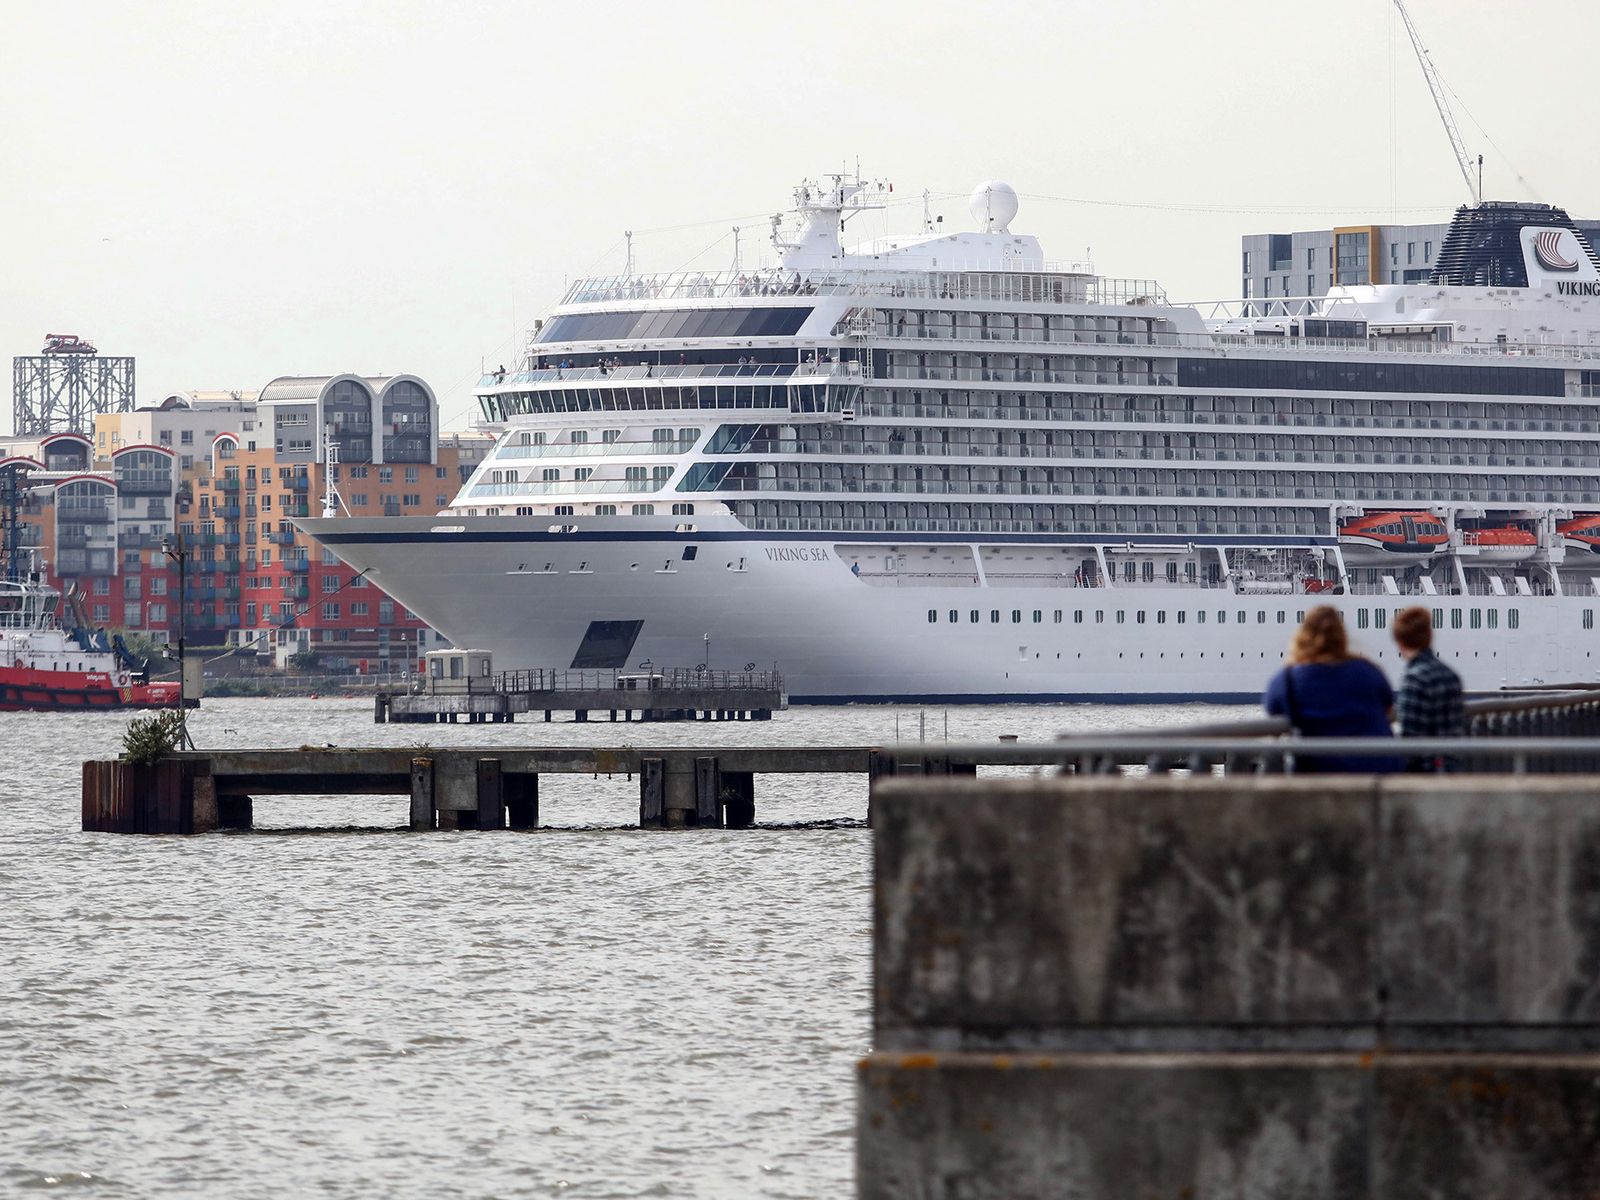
{"points": [[1548, 731], [647, 683], [798, 371]]}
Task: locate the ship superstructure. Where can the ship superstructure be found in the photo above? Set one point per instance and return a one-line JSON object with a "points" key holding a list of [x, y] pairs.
{"points": [[942, 466]]}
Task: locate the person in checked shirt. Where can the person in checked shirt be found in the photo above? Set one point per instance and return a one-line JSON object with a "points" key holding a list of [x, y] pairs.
{"points": [[1428, 703]]}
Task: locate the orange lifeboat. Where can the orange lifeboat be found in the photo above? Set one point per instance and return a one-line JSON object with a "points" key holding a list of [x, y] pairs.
{"points": [[1507, 543], [1581, 532], [1392, 537]]}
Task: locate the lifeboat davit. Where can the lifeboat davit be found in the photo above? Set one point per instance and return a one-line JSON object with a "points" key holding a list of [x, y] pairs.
{"points": [[1392, 537], [1581, 533], [1504, 544]]}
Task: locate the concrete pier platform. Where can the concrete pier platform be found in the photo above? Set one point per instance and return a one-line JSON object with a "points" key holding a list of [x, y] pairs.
{"points": [[1225, 987]]}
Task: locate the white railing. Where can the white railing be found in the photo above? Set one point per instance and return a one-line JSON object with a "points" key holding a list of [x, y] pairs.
{"points": [[1035, 287], [798, 372]]}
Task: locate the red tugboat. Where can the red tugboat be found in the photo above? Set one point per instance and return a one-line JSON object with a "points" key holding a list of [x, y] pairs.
{"points": [[44, 667]]}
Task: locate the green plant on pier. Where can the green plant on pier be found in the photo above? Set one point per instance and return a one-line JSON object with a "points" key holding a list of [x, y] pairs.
{"points": [[148, 740]]}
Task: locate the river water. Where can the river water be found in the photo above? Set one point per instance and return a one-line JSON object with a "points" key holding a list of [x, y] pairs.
{"points": [[334, 1006]]}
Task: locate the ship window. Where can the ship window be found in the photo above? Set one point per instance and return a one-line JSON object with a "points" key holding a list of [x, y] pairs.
{"points": [[1438, 618], [1077, 617], [1513, 618], [1361, 618], [1455, 618], [955, 615], [1161, 616], [1122, 616], [1222, 617], [1261, 617], [1380, 618], [1039, 616], [1139, 616], [994, 616], [1182, 616], [1494, 618], [1099, 616], [1476, 618], [689, 552], [974, 615], [1200, 616], [1016, 616], [1282, 616], [933, 616], [1588, 618]]}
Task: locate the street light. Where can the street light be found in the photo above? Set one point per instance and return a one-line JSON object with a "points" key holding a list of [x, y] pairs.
{"points": [[172, 545], [705, 664]]}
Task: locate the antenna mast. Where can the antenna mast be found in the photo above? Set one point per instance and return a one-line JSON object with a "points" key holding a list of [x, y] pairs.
{"points": [[331, 500], [1463, 159]]}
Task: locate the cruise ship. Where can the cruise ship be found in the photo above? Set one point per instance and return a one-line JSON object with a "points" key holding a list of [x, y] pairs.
{"points": [[943, 468]]}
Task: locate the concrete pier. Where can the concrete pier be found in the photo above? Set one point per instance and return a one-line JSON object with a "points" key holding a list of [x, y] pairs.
{"points": [[1241, 987]]}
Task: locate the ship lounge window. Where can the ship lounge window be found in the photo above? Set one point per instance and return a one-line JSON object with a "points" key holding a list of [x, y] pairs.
{"points": [[1513, 618], [1438, 618], [1494, 618], [644, 510], [1475, 618], [1455, 618], [1380, 618], [1588, 618], [1361, 618]]}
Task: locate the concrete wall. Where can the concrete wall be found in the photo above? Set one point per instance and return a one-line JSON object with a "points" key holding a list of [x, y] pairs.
{"points": [[1275, 987]]}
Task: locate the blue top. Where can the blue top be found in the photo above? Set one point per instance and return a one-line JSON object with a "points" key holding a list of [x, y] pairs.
{"points": [[1347, 699]]}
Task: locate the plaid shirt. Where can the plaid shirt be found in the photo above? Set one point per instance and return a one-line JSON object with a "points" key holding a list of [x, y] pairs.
{"points": [[1429, 700]]}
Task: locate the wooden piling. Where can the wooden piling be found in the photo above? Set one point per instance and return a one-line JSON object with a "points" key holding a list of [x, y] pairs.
{"points": [[652, 793], [422, 810], [491, 800], [707, 793]]}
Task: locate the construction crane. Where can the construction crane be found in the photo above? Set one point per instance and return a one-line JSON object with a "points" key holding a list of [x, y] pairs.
{"points": [[1463, 159]]}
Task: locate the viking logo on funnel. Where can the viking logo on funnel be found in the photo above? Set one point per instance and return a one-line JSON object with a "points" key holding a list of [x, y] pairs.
{"points": [[1547, 248]]}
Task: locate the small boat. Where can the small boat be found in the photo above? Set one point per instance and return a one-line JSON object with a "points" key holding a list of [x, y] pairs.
{"points": [[44, 667], [1582, 532], [1392, 537], [1506, 543]]}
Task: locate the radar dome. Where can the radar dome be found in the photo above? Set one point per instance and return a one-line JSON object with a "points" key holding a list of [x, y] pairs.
{"points": [[994, 205]]}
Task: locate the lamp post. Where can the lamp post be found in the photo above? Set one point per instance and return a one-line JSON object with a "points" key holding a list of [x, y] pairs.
{"points": [[174, 548], [705, 663]]}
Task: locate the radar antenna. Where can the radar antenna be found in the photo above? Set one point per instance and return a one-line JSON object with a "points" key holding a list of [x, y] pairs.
{"points": [[1463, 159]]}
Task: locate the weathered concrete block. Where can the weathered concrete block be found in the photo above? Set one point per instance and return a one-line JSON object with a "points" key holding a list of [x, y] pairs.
{"points": [[1489, 900], [1227, 1127], [1108, 1127], [1022, 913]]}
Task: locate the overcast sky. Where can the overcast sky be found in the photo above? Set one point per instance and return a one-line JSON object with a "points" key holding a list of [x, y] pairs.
{"points": [[232, 192]]}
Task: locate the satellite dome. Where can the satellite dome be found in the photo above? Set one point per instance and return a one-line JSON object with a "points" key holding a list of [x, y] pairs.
{"points": [[994, 205]]}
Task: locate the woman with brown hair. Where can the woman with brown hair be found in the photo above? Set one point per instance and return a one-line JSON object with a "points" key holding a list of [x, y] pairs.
{"points": [[1325, 691]]}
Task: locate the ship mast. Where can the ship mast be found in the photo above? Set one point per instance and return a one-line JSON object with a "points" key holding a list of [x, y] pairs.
{"points": [[1436, 86]]}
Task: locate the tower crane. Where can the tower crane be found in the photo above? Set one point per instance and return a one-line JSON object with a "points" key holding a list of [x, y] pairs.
{"points": [[1463, 159]]}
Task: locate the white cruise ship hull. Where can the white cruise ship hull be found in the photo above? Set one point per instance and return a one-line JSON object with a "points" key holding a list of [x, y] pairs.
{"points": [[531, 597]]}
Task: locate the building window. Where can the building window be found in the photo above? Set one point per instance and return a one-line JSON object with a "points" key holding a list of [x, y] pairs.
{"points": [[358, 609], [385, 474], [411, 475], [330, 611]]}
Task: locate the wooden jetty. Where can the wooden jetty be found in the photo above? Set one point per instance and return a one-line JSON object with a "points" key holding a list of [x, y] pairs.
{"points": [[485, 787], [644, 695]]}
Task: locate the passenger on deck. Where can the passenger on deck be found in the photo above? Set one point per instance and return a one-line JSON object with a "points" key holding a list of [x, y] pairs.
{"points": [[1429, 703], [1325, 691]]}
